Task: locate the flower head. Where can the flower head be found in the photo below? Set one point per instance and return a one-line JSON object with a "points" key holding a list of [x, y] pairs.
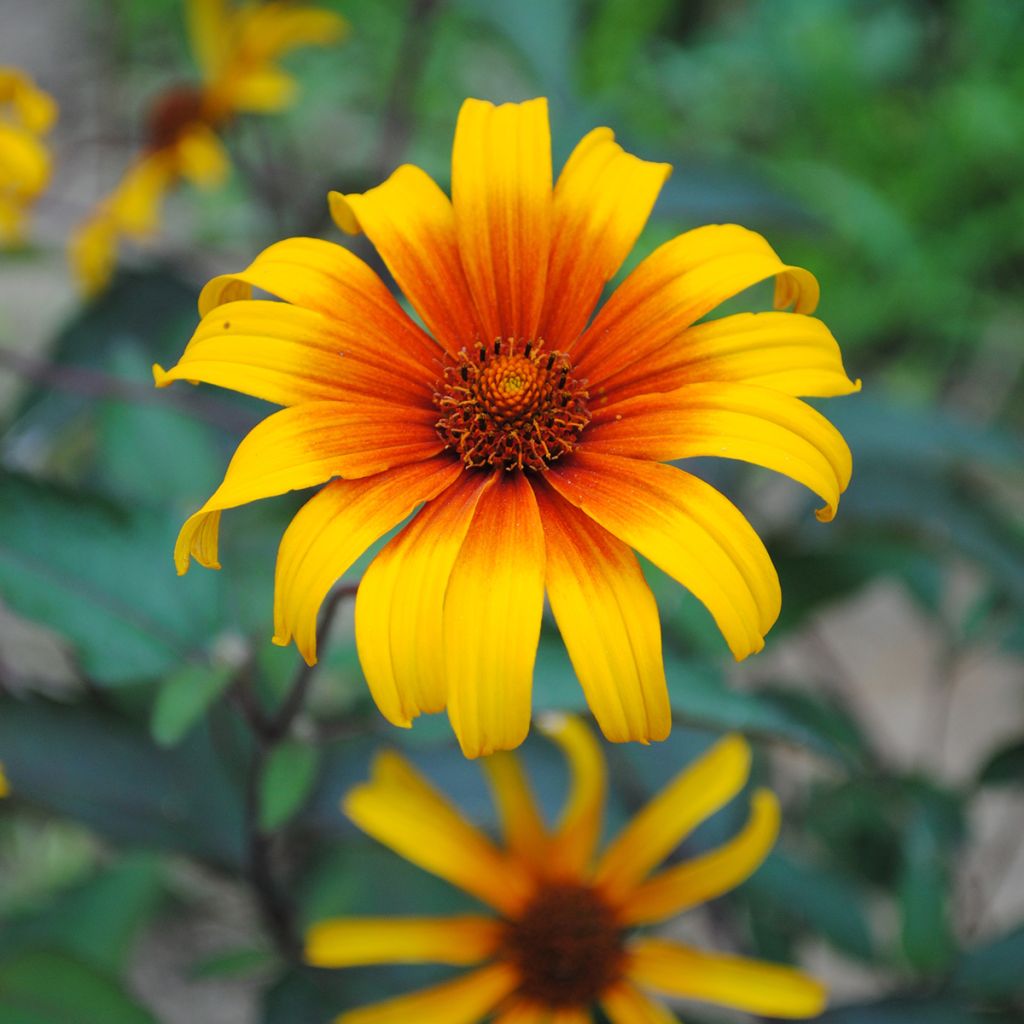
{"points": [[534, 437], [563, 936], [26, 115], [237, 50]]}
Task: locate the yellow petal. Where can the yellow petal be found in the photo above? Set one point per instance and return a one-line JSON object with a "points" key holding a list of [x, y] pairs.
{"points": [[92, 251], [303, 446], [400, 809], [400, 603], [466, 1000], [209, 34], [769, 989], [411, 223], [24, 160], [686, 528], [602, 200], [579, 826], [329, 279], [202, 157], [134, 205], [790, 352], [5, 786], [519, 1011], [501, 191], [626, 1004], [269, 30], [730, 421], [333, 529], [355, 941], [521, 824], [673, 288], [263, 90], [29, 106], [696, 881], [492, 615], [609, 622], [694, 795], [288, 355]]}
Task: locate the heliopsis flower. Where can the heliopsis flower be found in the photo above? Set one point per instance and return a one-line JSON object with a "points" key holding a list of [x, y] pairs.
{"points": [[563, 937], [535, 437], [26, 115], [237, 50]]}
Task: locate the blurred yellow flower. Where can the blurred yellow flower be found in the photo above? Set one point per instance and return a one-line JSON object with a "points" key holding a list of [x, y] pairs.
{"points": [[5, 786], [26, 115], [236, 50], [534, 432], [563, 936]]}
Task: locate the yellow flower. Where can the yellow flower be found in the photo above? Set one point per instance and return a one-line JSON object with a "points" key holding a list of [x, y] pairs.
{"points": [[535, 438], [564, 936], [5, 786], [26, 115], [236, 50]]}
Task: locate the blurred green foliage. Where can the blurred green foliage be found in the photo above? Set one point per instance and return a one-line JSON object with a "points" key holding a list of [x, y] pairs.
{"points": [[879, 143]]}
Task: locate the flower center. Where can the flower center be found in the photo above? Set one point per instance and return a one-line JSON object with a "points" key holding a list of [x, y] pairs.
{"points": [[171, 113], [567, 946], [511, 404]]}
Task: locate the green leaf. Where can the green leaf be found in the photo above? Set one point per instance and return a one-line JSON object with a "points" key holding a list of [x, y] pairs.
{"points": [[288, 780], [103, 578], [616, 32], [50, 988], [1005, 767], [926, 931], [994, 970], [183, 697], [234, 964]]}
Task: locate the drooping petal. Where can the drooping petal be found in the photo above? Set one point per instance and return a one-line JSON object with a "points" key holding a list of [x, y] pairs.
{"points": [[333, 529], [790, 352], [288, 355], [730, 421], [686, 528], [693, 795], [626, 1004], [399, 606], [412, 225], [400, 809], [202, 157], [769, 989], [602, 200], [674, 287], [696, 881], [356, 941], [501, 192], [134, 205], [522, 827], [467, 1000], [579, 827], [609, 622], [303, 446], [333, 281], [492, 614]]}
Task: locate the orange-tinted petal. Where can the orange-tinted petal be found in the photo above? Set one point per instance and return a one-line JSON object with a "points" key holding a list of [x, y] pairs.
{"points": [[626, 1004], [673, 288], [356, 941], [692, 796], [333, 281], [467, 1000], [603, 198], [501, 191], [520, 1011], [288, 355], [333, 529], [400, 605], [790, 352], [730, 421], [303, 446], [492, 613], [769, 989], [686, 528], [411, 223], [400, 809], [696, 881], [609, 622]]}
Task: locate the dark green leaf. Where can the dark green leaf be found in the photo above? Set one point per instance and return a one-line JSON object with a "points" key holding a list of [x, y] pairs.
{"points": [[924, 896], [1005, 767], [994, 969], [288, 780], [236, 963], [183, 697]]}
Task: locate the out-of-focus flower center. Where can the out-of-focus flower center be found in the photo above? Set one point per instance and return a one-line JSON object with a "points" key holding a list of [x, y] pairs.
{"points": [[171, 113], [511, 404], [566, 946]]}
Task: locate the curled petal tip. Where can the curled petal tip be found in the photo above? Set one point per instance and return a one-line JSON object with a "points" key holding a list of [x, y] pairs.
{"points": [[342, 213]]}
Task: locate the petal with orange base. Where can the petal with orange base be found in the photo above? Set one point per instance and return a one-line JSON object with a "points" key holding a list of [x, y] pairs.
{"points": [[333, 529], [603, 198], [501, 192], [492, 612], [609, 622], [686, 528], [772, 990], [626, 1004]]}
